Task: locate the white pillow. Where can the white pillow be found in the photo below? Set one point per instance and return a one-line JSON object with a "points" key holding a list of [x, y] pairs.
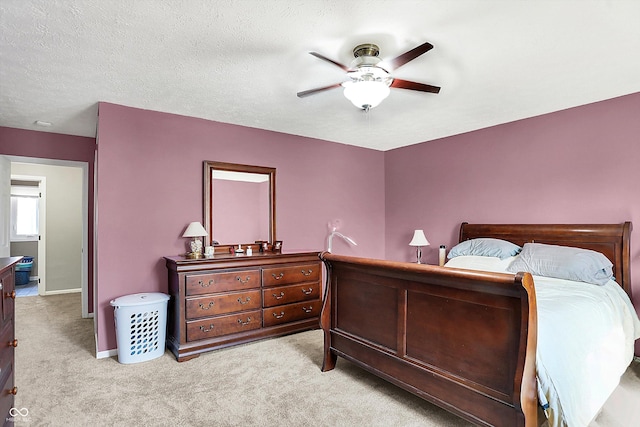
{"points": [[482, 263]]}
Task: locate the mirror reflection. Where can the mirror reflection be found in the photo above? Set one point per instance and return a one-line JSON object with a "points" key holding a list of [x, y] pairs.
{"points": [[239, 203]]}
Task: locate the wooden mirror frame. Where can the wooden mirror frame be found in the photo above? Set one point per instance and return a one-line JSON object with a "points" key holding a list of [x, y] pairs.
{"points": [[209, 167]]}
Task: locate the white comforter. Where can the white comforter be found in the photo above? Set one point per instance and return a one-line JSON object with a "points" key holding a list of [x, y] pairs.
{"points": [[586, 336]]}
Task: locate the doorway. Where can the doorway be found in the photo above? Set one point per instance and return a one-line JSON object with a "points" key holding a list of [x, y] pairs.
{"points": [[63, 243], [28, 233]]}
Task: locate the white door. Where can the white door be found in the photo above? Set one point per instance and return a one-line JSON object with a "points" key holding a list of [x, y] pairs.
{"points": [[5, 206]]}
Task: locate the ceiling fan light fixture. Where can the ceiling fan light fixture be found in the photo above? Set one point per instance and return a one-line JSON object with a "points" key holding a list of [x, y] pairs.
{"points": [[368, 87], [369, 78], [366, 94]]}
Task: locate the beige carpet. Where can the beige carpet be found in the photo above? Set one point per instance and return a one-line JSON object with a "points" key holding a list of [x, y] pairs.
{"points": [[275, 382]]}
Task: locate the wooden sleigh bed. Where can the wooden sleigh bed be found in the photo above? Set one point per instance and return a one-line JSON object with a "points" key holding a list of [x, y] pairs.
{"points": [[463, 340]]}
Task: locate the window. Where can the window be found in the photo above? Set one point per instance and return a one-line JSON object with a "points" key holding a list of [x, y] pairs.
{"points": [[24, 213]]}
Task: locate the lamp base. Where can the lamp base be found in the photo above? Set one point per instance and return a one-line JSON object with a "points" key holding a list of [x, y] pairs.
{"points": [[194, 255], [418, 255]]}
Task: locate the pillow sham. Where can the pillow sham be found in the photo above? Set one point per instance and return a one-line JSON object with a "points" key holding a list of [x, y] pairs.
{"points": [[563, 262], [482, 263], [485, 247]]}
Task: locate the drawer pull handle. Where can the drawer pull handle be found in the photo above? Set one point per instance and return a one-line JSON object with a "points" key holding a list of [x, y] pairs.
{"points": [[279, 296], [207, 307], [307, 291], [307, 309], [11, 294], [279, 316], [306, 273], [244, 323], [278, 277], [14, 391], [239, 279], [13, 343], [209, 329], [202, 284], [246, 301]]}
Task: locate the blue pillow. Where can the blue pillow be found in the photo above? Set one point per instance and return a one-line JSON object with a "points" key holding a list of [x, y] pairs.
{"points": [[563, 262], [485, 247]]}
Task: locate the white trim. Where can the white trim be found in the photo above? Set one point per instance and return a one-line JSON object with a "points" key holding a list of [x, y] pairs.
{"points": [[106, 353], [63, 291], [42, 226], [636, 358]]}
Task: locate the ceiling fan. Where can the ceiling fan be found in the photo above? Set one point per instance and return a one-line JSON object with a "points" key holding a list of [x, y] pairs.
{"points": [[369, 77]]}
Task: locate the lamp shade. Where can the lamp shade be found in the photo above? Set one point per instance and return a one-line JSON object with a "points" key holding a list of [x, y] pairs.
{"points": [[366, 94], [195, 229], [419, 239]]}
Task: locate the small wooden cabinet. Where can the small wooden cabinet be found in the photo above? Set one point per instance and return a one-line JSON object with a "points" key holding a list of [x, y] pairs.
{"points": [[8, 341], [232, 299]]}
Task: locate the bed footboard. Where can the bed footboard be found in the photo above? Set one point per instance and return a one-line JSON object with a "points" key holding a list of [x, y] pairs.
{"points": [[463, 340]]}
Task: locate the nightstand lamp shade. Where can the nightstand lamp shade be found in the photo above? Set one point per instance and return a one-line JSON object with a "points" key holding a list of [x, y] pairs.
{"points": [[419, 240], [196, 231]]}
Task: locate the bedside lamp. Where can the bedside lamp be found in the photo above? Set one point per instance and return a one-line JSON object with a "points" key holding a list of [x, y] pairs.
{"points": [[195, 230], [419, 240]]}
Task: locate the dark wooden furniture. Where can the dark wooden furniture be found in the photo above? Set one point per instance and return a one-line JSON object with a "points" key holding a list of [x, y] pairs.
{"points": [[228, 300], [8, 341], [463, 340]]}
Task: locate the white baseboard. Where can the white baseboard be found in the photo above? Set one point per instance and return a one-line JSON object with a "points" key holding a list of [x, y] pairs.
{"points": [[636, 358], [104, 354], [63, 291]]}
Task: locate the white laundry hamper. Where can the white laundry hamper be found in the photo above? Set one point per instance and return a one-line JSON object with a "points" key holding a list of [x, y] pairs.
{"points": [[141, 326]]}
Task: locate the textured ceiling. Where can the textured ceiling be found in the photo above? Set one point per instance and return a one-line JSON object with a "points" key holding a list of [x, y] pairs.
{"points": [[242, 62]]}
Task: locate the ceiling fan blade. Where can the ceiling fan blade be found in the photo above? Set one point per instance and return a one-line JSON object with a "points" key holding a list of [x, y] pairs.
{"points": [[320, 56], [405, 84], [316, 90], [399, 61]]}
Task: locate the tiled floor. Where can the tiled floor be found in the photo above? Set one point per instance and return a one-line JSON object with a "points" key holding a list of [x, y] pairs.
{"points": [[29, 289]]}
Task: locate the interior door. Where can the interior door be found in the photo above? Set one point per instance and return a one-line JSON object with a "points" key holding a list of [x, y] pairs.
{"points": [[5, 205]]}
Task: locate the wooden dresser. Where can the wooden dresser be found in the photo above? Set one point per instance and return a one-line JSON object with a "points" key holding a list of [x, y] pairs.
{"points": [[8, 340], [232, 299]]}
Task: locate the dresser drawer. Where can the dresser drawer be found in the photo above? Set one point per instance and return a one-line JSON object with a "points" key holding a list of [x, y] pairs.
{"points": [[213, 305], [288, 294], [7, 398], [223, 325], [277, 276], [291, 312], [198, 284]]}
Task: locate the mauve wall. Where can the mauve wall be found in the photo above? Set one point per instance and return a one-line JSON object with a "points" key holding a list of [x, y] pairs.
{"points": [[580, 165], [149, 178], [45, 145]]}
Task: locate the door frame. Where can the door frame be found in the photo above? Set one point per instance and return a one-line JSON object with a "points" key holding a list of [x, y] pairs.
{"points": [[42, 227], [85, 224]]}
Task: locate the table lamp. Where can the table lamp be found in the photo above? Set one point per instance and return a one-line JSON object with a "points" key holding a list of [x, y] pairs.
{"points": [[419, 240], [196, 231]]}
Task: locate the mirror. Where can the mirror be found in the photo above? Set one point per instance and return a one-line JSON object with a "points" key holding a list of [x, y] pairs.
{"points": [[239, 204]]}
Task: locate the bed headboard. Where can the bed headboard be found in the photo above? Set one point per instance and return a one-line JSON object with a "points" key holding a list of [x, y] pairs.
{"points": [[612, 240]]}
